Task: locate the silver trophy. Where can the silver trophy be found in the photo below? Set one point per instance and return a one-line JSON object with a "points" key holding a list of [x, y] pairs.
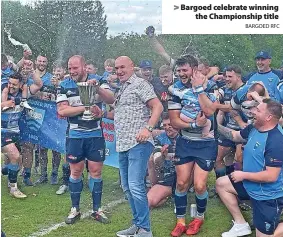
{"points": [[87, 93]]}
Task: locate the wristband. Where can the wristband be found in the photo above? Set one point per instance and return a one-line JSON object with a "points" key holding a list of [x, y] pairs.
{"points": [[199, 90], [149, 128]]}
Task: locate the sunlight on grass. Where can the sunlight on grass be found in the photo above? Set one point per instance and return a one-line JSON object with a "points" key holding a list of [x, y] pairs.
{"points": [[43, 208]]}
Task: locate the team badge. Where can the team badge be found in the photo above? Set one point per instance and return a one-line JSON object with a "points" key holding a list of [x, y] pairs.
{"points": [[267, 226], [208, 162], [256, 145]]}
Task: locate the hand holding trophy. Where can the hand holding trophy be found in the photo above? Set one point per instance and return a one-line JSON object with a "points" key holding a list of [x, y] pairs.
{"points": [[88, 93]]}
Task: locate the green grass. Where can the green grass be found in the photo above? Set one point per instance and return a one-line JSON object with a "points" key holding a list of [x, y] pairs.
{"points": [[43, 208]]}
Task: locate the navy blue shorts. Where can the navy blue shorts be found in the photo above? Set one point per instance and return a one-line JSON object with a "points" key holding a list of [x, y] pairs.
{"points": [[8, 138], [240, 189], [266, 213], [204, 153], [79, 149], [223, 141], [168, 181]]}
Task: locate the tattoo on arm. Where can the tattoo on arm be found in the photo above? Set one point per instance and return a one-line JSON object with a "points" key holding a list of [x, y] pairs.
{"points": [[226, 132]]}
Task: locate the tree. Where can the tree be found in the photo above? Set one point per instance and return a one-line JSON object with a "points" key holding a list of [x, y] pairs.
{"points": [[14, 19], [58, 29], [76, 28]]}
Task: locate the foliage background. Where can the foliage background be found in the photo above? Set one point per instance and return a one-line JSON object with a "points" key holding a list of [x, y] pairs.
{"points": [[60, 29]]}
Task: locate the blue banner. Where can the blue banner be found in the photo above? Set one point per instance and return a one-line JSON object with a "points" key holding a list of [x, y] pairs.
{"points": [[110, 139], [42, 126]]}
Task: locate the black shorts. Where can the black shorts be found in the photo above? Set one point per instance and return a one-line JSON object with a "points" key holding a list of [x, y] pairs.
{"points": [[79, 149], [223, 141], [240, 189], [266, 213], [168, 181], [204, 153], [9, 137]]}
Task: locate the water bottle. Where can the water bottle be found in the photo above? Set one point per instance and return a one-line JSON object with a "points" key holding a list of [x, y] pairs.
{"points": [[193, 210], [26, 47]]}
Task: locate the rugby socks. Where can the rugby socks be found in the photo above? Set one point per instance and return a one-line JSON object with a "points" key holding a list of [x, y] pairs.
{"points": [[13, 172], [5, 169], [27, 173], [230, 169], [219, 172], [66, 173], [95, 187], [75, 187], [201, 201], [180, 203], [43, 169]]}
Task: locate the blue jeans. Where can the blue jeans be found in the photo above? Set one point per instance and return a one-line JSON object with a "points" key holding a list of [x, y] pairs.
{"points": [[133, 166]]}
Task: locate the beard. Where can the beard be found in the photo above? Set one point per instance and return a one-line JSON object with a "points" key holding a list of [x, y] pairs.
{"points": [[41, 68]]}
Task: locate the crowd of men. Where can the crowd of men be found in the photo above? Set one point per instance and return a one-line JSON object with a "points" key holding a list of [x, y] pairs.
{"points": [[171, 130]]}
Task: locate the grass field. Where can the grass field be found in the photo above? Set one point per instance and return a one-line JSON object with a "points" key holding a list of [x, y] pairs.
{"points": [[43, 209]]}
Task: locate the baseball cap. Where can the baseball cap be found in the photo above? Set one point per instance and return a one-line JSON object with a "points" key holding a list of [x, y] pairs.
{"points": [[146, 64], [262, 54]]}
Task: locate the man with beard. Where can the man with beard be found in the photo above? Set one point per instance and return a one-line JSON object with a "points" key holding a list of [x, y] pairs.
{"points": [[192, 150], [41, 66], [27, 72], [161, 168], [10, 128], [233, 82], [261, 178], [24, 84], [265, 74], [48, 92], [137, 110], [85, 138]]}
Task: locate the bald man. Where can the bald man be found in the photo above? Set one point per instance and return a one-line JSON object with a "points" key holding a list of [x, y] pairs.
{"points": [[85, 138], [134, 104]]}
